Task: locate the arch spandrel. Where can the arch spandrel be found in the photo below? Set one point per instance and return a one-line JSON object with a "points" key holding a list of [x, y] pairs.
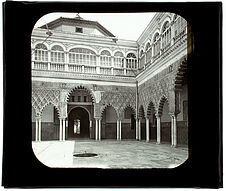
{"points": [[41, 97], [69, 91], [104, 107], [122, 111], [55, 106], [118, 100], [163, 100]]}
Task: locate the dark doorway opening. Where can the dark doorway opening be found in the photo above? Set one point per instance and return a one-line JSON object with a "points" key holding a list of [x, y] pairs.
{"points": [[78, 123]]}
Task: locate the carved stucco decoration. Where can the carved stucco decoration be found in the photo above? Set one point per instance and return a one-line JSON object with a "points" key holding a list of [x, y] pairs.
{"points": [[153, 91], [119, 100], [41, 97]]}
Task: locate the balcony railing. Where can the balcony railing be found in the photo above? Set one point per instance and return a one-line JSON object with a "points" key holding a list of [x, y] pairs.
{"points": [[87, 63]]}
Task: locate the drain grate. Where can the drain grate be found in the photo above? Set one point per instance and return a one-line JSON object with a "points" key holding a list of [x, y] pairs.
{"points": [[85, 155]]}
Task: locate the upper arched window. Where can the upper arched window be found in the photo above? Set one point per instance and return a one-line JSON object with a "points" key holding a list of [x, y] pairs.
{"points": [[82, 51], [57, 48], [166, 35], [82, 56], [131, 61], [105, 58], [41, 46], [148, 52], [131, 55], [118, 59], [57, 54], [118, 54], [180, 25], [147, 46], [41, 53], [106, 53], [142, 59], [156, 37], [141, 53], [156, 44], [165, 26]]}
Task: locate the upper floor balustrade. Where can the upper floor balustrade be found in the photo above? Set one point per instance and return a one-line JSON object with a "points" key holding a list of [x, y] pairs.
{"points": [[83, 60]]}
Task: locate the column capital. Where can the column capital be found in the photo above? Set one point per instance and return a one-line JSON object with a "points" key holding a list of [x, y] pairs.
{"points": [[97, 118], [157, 115], [173, 115], [62, 118], [38, 117]]}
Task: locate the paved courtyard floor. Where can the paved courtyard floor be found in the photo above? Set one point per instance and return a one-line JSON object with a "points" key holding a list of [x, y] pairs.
{"points": [[110, 154]]}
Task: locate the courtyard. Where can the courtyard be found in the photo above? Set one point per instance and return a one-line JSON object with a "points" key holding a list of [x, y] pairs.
{"points": [[109, 154]]}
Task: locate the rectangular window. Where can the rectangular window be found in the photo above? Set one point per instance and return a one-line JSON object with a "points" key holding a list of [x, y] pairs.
{"points": [[79, 98], [78, 29], [72, 98], [85, 99]]}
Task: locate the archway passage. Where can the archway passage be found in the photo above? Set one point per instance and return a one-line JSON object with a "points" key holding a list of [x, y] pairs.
{"points": [[141, 116], [152, 121], [78, 123], [108, 123], [165, 121], [129, 124]]}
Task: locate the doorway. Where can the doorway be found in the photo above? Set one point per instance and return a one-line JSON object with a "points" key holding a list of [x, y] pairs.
{"points": [[78, 123]]}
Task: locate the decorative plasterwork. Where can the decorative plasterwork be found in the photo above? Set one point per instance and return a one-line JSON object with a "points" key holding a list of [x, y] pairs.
{"points": [[41, 97], [119, 100]]}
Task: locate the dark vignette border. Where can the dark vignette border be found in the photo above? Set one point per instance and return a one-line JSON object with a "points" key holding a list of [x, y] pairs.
{"points": [[204, 167]]}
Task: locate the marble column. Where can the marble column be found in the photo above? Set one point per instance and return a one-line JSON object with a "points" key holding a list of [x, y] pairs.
{"points": [[39, 130], [120, 130], [137, 124], [117, 129], [158, 129], [60, 132], [63, 132], [147, 130], [139, 129], [99, 129], [96, 130], [173, 131], [36, 130]]}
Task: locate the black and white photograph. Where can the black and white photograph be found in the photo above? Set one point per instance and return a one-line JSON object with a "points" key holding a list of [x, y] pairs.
{"points": [[112, 95], [100, 100]]}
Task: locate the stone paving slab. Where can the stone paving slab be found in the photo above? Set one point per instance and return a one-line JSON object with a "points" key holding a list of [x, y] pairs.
{"points": [[110, 154]]}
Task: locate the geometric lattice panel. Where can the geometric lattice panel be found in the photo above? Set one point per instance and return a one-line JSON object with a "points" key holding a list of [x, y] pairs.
{"points": [[41, 97]]}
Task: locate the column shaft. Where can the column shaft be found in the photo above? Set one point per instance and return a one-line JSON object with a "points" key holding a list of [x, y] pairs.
{"points": [[117, 129], [60, 134], [147, 130], [40, 130], [99, 129], [120, 129], [96, 129], [139, 129], [158, 130], [36, 130], [173, 131], [137, 124], [63, 133]]}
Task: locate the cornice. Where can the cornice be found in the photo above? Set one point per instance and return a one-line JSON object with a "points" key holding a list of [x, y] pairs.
{"points": [[84, 77]]}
